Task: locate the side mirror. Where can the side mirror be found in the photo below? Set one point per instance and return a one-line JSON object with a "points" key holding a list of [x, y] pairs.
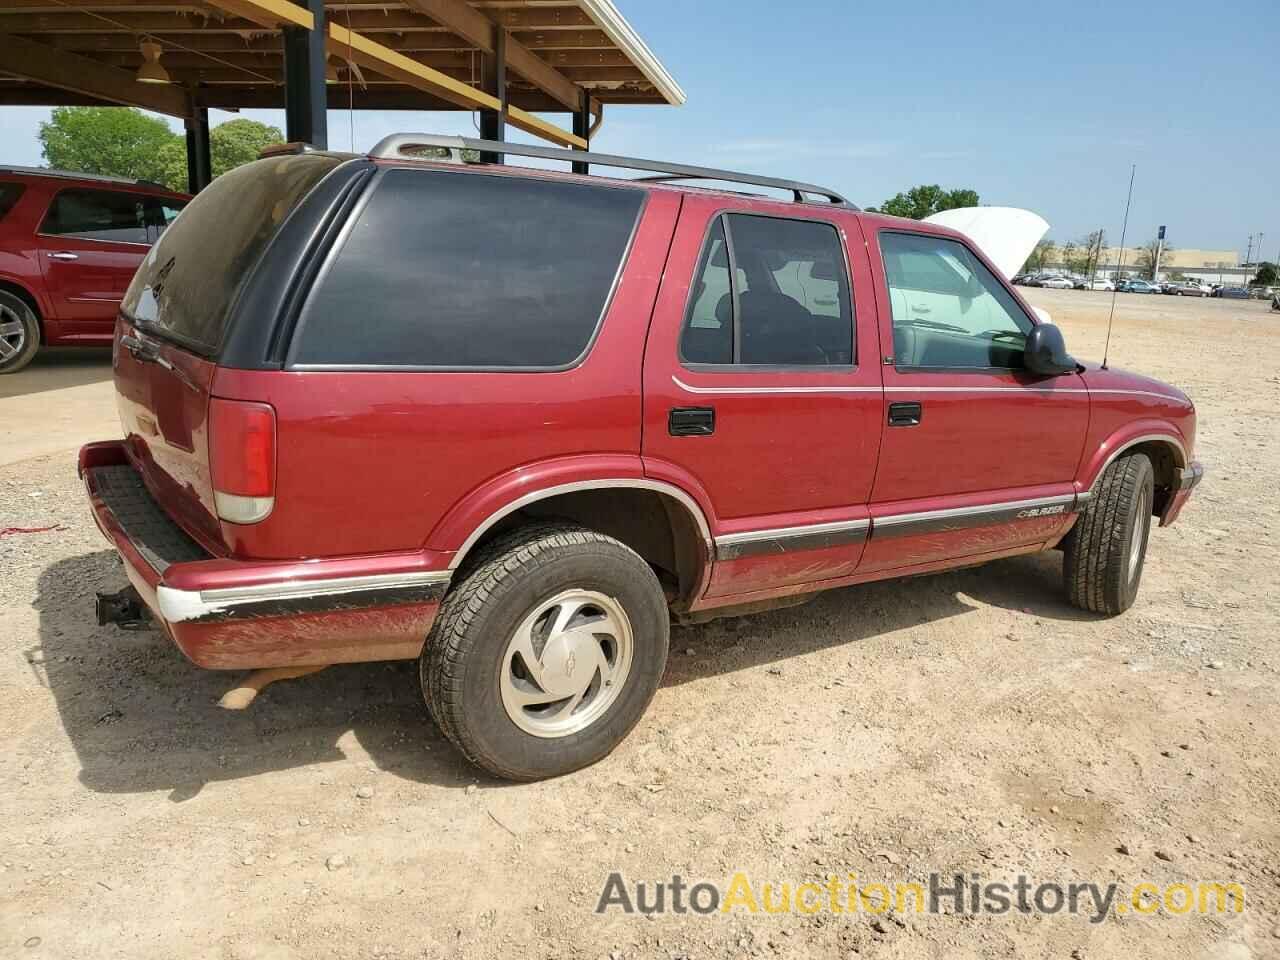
{"points": [[1046, 352]]}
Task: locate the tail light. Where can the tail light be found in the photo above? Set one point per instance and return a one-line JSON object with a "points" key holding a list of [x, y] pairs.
{"points": [[242, 459]]}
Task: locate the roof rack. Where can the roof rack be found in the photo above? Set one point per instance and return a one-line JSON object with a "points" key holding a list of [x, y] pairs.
{"points": [[395, 146], [76, 175]]}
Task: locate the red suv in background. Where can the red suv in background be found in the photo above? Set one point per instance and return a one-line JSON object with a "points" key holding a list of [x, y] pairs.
{"points": [[69, 245], [511, 422]]}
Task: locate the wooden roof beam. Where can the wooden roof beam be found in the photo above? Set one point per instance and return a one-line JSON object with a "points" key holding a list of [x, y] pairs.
{"points": [[472, 25], [81, 75], [272, 14], [389, 63]]}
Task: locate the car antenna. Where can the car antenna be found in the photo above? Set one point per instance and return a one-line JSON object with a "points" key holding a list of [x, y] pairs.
{"points": [[1115, 286]]}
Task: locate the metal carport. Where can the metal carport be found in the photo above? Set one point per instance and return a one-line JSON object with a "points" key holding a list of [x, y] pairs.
{"points": [[507, 60]]}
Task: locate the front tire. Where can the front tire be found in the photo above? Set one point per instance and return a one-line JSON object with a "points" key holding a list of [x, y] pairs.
{"points": [[547, 652], [1106, 550], [19, 333]]}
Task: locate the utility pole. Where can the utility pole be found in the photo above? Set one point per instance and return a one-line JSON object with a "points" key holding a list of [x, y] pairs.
{"points": [[1155, 269], [1249, 251]]}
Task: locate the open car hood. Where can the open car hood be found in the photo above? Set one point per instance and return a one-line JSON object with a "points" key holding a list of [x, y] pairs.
{"points": [[1007, 235]]}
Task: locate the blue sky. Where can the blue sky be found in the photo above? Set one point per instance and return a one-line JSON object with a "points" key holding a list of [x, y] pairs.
{"points": [[1038, 107]]}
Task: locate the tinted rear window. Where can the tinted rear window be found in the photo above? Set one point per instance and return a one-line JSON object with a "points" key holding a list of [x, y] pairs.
{"points": [[467, 270], [188, 283], [9, 194]]}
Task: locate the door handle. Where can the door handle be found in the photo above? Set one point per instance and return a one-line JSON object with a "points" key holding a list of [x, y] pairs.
{"points": [[691, 421], [906, 414], [64, 255]]}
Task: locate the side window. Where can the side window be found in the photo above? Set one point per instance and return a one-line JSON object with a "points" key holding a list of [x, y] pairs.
{"points": [[788, 303], [97, 215], [949, 311], [159, 213], [9, 194], [468, 270]]}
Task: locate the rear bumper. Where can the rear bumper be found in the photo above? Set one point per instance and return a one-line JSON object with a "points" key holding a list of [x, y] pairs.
{"points": [[1188, 479], [235, 614]]}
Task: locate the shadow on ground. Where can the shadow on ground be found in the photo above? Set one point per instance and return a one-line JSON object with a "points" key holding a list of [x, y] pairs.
{"points": [[56, 367], [141, 718]]}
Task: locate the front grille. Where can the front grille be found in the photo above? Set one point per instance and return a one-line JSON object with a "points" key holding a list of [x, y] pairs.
{"points": [[160, 541]]}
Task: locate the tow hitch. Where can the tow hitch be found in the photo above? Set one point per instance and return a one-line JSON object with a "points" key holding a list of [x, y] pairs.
{"points": [[124, 608]]}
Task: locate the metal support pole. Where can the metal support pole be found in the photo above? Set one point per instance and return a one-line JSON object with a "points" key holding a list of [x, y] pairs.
{"points": [[582, 127], [305, 99], [493, 80], [199, 166]]}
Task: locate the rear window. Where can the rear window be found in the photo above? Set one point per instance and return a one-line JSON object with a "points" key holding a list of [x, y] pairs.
{"points": [[188, 283], [9, 194], [466, 270]]}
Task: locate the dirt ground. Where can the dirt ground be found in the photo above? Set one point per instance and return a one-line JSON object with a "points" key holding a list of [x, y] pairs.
{"points": [[967, 722]]}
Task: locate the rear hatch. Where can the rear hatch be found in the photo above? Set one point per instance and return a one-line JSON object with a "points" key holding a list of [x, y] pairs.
{"points": [[176, 317]]}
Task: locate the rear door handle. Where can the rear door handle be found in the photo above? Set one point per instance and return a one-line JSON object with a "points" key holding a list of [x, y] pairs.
{"points": [[64, 255], [906, 414], [691, 421]]}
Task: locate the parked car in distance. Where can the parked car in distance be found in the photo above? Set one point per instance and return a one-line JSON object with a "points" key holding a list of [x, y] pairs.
{"points": [[1187, 288], [1137, 286], [1080, 283], [69, 245], [512, 422], [1057, 283], [1232, 292], [1101, 283]]}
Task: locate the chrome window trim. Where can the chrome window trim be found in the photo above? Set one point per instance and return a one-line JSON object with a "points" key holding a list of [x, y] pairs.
{"points": [[1017, 388], [655, 486]]}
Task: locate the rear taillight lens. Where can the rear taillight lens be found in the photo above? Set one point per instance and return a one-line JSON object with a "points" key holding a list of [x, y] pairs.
{"points": [[242, 459]]}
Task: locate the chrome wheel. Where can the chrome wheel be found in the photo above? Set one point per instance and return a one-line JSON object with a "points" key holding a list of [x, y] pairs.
{"points": [[13, 334], [1141, 515], [566, 663]]}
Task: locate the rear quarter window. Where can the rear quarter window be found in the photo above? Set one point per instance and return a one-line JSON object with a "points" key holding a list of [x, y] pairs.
{"points": [[466, 270], [9, 195]]}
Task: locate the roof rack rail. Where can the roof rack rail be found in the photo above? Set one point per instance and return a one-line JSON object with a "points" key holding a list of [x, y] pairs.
{"points": [[395, 146], [76, 175]]}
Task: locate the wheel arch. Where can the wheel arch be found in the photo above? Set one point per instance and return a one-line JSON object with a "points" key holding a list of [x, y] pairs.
{"points": [[1166, 450], [27, 296], [662, 522]]}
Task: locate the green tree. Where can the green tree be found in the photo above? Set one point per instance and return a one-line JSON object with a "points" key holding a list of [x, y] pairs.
{"points": [[230, 144], [124, 142], [1267, 276], [117, 141], [926, 199]]}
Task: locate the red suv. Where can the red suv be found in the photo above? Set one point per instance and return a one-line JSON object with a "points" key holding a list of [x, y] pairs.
{"points": [[511, 422], [69, 245]]}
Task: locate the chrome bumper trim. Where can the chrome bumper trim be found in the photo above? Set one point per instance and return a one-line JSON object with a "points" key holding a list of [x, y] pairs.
{"points": [[1188, 477]]}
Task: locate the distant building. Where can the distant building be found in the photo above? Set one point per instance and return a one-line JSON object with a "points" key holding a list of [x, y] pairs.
{"points": [[1211, 266]]}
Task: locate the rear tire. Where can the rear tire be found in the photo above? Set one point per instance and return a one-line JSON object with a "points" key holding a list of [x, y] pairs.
{"points": [[19, 333], [547, 652], [1106, 550]]}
